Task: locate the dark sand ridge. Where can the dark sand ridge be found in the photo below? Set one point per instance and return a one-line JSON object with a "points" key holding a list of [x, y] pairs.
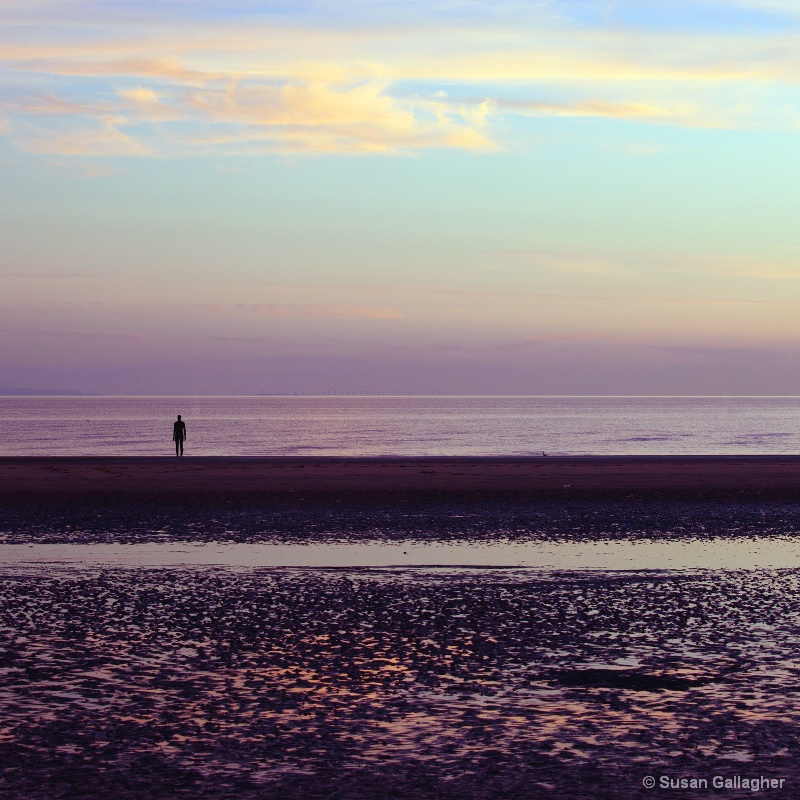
{"points": [[304, 499], [612, 475]]}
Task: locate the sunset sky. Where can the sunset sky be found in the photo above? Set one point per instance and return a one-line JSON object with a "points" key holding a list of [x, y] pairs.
{"points": [[499, 197]]}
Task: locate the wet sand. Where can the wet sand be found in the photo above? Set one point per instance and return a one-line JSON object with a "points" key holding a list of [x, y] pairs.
{"points": [[570, 476], [357, 684], [349, 684]]}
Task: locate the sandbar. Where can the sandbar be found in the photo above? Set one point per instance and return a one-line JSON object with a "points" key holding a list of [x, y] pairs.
{"points": [[543, 476]]}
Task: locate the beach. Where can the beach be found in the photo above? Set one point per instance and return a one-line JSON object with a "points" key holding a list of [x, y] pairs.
{"points": [[556, 476], [342, 682]]}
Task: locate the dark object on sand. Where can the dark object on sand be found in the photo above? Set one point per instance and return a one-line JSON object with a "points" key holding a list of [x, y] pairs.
{"points": [[625, 679], [179, 435]]}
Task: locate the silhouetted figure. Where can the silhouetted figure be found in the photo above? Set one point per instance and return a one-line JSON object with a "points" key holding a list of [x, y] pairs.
{"points": [[179, 435]]}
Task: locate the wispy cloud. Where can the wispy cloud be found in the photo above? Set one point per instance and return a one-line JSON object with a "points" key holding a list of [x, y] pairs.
{"points": [[320, 310], [470, 349], [224, 98], [678, 114], [327, 118], [101, 137], [43, 275], [239, 339], [112, 84], [83, 333], [642, 263]]}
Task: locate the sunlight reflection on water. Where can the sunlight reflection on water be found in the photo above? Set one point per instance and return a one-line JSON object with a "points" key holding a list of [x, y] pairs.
{"points": [[734, 553]]}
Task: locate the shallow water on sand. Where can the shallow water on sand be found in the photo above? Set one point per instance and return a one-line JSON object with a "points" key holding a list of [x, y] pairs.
{"points": [[686, 554]]}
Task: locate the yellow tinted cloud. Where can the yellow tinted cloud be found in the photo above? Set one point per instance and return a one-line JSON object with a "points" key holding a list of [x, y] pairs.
{"points": [[332, 118], [139, 95], [270, 88], [634, 111], [147, 104]]}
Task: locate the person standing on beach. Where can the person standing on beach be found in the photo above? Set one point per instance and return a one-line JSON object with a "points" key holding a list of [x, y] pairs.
{"points": [[179, 435]]}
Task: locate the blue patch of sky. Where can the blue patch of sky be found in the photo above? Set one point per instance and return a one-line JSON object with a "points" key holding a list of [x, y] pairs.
{"points": [[233, 11], [692, 15], [705, 17], [472, 92], [339, 9], [353, 13]]}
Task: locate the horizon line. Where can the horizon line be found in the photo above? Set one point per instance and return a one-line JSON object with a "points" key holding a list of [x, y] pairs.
{"points": [[79, 396]]}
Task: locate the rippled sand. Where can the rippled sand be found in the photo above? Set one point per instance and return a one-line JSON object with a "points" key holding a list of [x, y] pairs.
{"points": [[366, 684], [95, 519]]}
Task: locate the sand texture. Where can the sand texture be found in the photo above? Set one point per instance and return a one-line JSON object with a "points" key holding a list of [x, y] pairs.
{"points": [[277, 685], [364, 684], [546, 475]]}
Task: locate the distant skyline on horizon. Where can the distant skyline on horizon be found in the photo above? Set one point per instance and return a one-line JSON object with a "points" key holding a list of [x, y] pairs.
{"points": [[566, 198]]}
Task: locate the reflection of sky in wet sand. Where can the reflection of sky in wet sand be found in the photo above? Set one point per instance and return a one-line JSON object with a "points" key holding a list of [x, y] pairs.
{"points": [[733, 553], [263, 676]]}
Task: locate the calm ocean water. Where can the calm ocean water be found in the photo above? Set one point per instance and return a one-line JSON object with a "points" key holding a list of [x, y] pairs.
{"points": [[400, 425]]}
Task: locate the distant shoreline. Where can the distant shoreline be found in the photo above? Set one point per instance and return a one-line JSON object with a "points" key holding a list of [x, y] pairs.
{"points": [[556, 477], [6, 391], [10, 392]]}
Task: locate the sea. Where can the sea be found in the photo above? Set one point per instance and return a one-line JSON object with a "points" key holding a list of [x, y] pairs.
{"points": [[408, 426]]}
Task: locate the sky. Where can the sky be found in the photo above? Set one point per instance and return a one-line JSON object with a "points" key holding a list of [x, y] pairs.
{"points": [[388, 196]]}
